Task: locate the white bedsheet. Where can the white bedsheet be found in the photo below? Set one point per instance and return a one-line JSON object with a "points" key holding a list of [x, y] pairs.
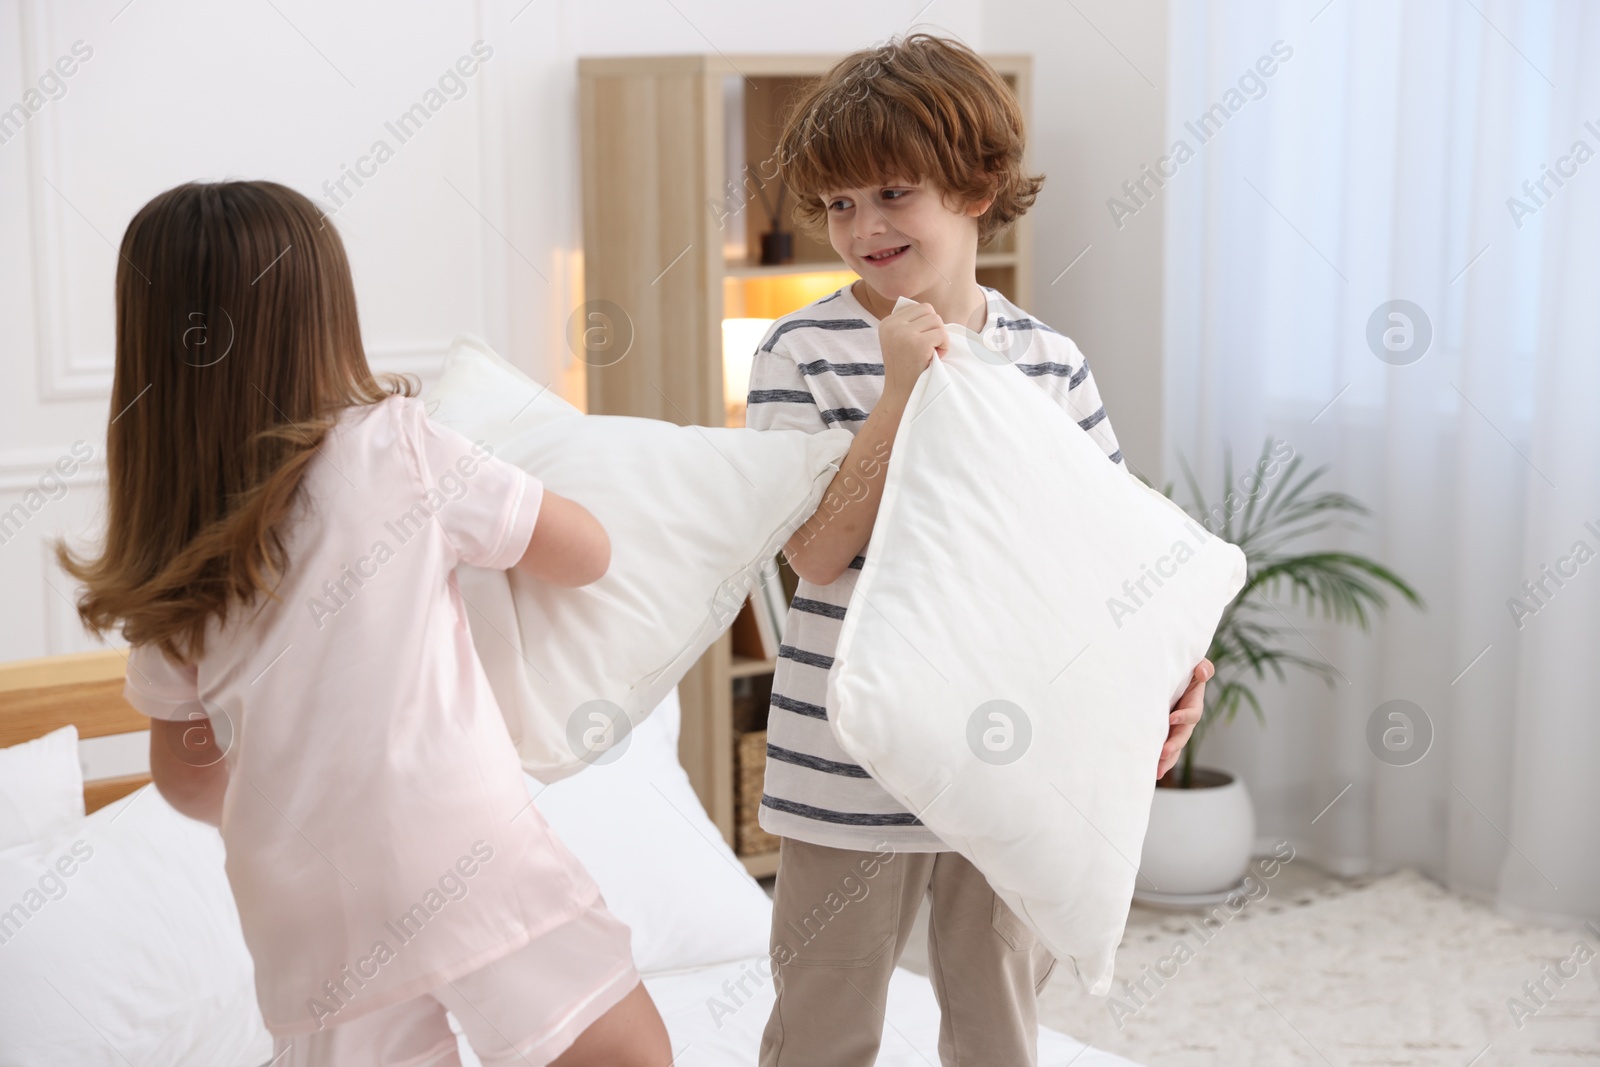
{"points": [[910, 1039]]}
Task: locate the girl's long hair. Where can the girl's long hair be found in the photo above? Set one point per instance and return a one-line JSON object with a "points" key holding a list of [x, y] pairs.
{"points": [[238, 346]]}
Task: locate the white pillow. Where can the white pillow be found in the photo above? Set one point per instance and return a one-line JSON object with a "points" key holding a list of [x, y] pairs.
{"points": [[693, 514], [637, 826], [41, 787], [482, 397], [121, 944], [995, 574]]}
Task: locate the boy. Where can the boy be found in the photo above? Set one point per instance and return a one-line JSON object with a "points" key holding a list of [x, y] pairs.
{"points": [[910, 156]]}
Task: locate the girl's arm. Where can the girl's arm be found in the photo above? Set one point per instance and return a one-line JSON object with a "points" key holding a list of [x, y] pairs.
{"points": [[193, 783], [569, 547]]}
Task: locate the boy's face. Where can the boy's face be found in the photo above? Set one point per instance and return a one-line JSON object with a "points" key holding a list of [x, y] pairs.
{"points": [[904, 238]]}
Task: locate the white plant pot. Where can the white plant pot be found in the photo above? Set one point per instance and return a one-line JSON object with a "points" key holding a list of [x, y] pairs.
{"points": [[1199, 841]]}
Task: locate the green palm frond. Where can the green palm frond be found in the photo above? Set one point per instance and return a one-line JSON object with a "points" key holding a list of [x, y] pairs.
{"points": [[1254, 635], [1344, 586]]}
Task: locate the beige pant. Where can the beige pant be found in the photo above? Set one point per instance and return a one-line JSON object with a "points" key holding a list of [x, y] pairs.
{"points": [[841, 919]]}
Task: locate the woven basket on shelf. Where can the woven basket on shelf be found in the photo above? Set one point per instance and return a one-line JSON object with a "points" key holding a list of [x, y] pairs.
{"points": [[750, 769]]}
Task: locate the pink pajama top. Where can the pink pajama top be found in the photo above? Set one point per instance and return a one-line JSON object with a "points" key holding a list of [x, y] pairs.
{"points": [[380, 838]]}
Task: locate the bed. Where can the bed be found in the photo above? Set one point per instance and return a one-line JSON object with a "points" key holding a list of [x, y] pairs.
{"points": [[120, 945]]}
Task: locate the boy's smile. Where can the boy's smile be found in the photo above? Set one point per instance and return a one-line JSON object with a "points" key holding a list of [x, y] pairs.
{"points": [[888, 255]]}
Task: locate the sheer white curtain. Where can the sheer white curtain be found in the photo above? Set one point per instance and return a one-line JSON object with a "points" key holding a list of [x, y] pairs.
{"points": [[1385, 158]]}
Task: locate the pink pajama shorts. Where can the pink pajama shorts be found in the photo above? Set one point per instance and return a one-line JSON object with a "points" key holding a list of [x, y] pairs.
{"points": [[525, 1008]]}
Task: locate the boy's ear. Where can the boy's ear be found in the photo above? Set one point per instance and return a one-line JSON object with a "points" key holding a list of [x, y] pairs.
{"points": [[978, 207]]}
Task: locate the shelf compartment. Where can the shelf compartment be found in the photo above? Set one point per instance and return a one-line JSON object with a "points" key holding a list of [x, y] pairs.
{"points": [[762, 864], [749, 666], [751, 762]]}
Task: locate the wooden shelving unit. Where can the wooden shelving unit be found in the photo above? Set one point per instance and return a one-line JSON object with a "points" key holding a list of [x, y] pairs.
{"points": [[674, 151], [745, 667]]}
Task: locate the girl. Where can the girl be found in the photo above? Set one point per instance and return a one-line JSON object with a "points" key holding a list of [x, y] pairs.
{"points": [[281, 533]]}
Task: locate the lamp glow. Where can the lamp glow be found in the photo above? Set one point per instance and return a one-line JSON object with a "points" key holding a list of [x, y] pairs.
{"points": [[740, 337]]}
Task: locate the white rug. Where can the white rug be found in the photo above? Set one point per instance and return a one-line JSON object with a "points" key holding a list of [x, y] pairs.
{"points": [[1398, 971]]}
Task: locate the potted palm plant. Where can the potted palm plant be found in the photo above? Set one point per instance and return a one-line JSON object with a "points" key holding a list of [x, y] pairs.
{"points": [[1202, 826]]}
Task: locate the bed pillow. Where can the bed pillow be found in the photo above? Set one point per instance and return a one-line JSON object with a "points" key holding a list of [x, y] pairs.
{"points": [[482, 397], [1037, 610], [41, 787], [121, 944], [664, 869], [693, 514]]}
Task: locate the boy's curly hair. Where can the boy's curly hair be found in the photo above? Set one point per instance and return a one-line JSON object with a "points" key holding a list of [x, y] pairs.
{"points": [[919, 107]]}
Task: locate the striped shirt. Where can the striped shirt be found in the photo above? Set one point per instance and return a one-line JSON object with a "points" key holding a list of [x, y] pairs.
{"points": [[817, 368]]}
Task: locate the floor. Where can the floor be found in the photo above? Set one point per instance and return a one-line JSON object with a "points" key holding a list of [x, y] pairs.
{"points": [[1294, 881], [1328, 972]]}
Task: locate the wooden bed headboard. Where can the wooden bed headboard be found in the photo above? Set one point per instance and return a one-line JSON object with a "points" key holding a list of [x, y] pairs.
{"points": [[82, 690]]}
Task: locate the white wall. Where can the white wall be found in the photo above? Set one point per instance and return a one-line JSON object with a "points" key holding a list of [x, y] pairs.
{"points": [[1099, 103], [474, 224]]}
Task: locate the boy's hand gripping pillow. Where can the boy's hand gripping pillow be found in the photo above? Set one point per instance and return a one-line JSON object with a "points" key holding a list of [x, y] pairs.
{"points": [[1027, 616], [693, 514]]}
